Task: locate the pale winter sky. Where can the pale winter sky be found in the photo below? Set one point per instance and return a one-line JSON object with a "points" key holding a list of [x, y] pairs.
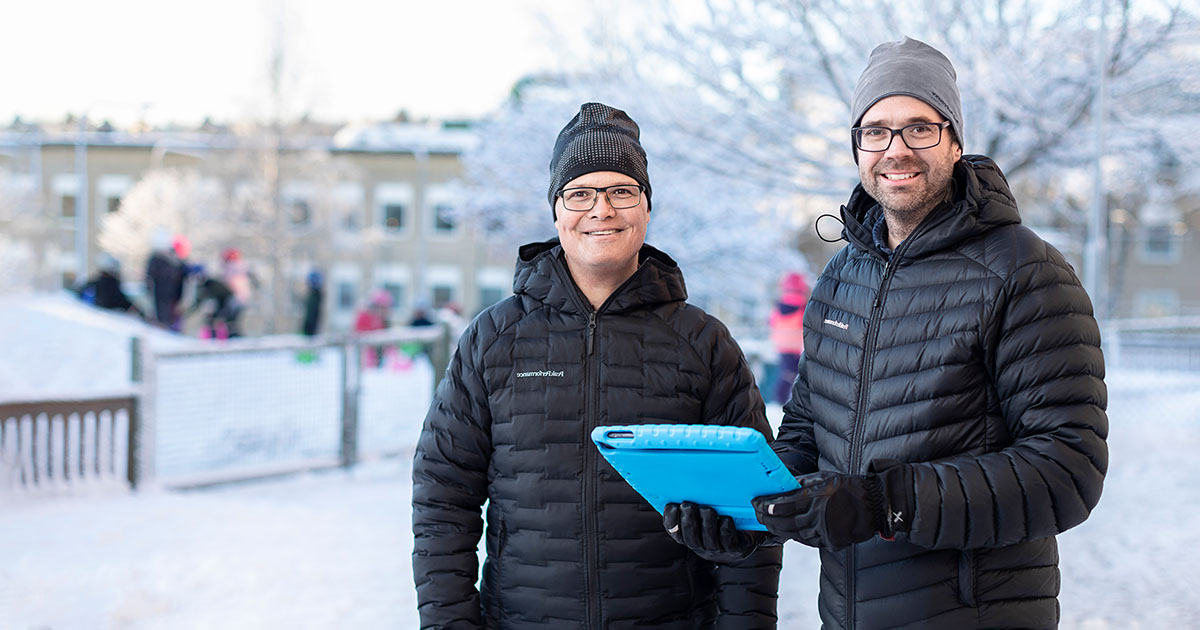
{"points": [[345, 60]]}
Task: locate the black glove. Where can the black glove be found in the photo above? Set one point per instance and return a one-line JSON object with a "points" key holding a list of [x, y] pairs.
{"points": [[708, 534], [835, 510]]}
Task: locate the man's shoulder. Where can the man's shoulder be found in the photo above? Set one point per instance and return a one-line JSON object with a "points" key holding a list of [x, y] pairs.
{"points": [[500, 314], [1010, 248], [841, 258], [693, 322], [505, 316]]}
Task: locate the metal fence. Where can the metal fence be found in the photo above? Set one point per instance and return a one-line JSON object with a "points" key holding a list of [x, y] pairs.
{"points": [[231, 411], [250, 408], [1171, 344], [268, 406]]}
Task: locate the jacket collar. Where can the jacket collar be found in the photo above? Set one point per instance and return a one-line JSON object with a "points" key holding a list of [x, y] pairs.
{"points": [[981, 202], [543, 276]]}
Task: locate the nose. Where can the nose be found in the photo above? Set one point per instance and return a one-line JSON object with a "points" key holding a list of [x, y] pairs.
{"points": [[602, 208], [897, 147]]}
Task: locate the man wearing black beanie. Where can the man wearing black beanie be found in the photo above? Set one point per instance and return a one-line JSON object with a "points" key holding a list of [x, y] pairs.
{"points": [[598, 332], [947, 420]]}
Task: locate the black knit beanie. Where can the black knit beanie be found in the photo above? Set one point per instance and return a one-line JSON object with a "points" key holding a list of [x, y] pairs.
{"points": [[598, 138], [909, 68]]}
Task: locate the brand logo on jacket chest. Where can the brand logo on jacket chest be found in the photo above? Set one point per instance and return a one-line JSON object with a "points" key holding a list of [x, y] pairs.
{"points": [[836, 324], [542, 373]]}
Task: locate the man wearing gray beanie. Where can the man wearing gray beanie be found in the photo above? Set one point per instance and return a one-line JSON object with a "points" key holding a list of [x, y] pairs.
{"points": [[948, 417], [598, 332]]}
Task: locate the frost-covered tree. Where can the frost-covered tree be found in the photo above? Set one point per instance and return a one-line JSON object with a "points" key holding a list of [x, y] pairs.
{"points": [[26, 237], [757, 92], [780, 76], [241, 198], [175, 201]]}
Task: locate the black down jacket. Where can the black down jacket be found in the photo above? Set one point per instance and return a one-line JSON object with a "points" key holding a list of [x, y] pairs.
{"points": [[569, 543], [974, 358]]}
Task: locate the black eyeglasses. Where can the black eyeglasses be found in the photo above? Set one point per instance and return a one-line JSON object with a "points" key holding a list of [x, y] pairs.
{"points": [[619, 196], [875, 139]]}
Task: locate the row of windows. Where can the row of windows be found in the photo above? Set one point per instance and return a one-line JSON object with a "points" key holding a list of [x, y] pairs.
{"points": [[67, 205], [441, 294], [395, 216], [394, 205]]}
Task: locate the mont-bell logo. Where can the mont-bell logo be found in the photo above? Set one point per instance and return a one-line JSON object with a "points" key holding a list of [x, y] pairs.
{"points": [[836, 324], [542, 373]]}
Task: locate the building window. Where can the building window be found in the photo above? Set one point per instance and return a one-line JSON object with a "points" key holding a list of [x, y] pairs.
{"points": [[493, 224], [68, 206], [1159, 244], [300, 211], [295, 202], [1155, 303], [393, 216], [750, 312], [439, 206], [442, 221], [391, 204], [346, 295], [489, 296], [109, 190], [396, 291], [442, 295]]}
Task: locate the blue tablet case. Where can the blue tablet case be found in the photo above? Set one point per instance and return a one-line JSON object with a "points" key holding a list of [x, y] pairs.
{"points": [[718, 466]]}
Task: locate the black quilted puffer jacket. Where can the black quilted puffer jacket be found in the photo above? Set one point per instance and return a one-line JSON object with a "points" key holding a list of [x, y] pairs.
{"points": [[982, 371], [569, 543]]}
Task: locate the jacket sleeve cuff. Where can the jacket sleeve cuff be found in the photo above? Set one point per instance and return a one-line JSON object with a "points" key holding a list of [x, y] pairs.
{"points": [[899, 498]]}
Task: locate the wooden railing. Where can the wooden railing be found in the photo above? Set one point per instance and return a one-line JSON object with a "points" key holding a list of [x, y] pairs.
{"points": [[65, 443]]}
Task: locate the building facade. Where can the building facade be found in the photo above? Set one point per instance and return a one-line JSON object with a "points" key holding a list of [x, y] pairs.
{"points": [[370, 207]]}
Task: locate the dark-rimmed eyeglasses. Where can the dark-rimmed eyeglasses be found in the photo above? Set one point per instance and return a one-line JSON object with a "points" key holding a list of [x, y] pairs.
{"points": [[875, 139], [619, 196]]}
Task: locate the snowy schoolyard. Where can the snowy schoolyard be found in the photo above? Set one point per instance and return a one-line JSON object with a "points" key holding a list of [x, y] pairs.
{"points": [[331, 550]]}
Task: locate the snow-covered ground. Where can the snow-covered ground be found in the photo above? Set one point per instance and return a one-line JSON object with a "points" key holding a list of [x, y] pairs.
{"points": [[331, 550], [54, 346]]}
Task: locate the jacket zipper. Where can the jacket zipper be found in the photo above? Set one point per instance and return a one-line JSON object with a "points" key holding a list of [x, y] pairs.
{"points": [[868, 360], [591, 578], [591, 599], [860, 418]]}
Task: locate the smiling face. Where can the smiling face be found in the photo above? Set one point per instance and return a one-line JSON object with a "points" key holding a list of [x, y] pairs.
{"points": [[601, 245], [907, 183]]}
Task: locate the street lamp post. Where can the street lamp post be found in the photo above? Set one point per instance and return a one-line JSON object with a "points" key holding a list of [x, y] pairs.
{"points": [[82, 233], [1095, 269]]}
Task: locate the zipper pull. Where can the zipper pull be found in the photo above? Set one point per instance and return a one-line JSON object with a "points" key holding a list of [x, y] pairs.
{"points": [[591, 331], [887, 266]]}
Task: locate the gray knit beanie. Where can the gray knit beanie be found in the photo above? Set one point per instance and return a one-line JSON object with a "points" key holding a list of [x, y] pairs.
{"points": [[909, 68], [598, 138]]}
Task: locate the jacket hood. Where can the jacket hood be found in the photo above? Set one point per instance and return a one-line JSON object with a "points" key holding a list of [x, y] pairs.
{"points": [[543, 276], [982, 202]]}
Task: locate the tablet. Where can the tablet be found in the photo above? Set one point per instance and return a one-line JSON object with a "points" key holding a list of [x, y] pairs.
{"points": [[718, 466]]}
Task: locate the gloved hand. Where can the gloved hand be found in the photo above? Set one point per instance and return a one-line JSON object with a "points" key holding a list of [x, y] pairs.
{"points": [[708, 534], [835, 510]]}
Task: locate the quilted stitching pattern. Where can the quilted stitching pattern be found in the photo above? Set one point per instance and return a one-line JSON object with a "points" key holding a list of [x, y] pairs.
{"points": [[510, 425], [985, 367]]}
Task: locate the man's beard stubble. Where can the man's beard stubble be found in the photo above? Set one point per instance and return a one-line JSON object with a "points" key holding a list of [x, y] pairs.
{"points": [[909, 207]]}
